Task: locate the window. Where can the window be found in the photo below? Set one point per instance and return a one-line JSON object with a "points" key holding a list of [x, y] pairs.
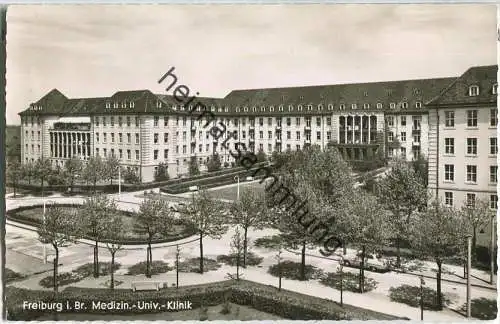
{"points": [[471, 200], [471, 173], [97, 137], [184, 149], [318, 121], [493, 146], [298, 136], [137, 154], [136, 138], [136, 121], [329, 121], [471, 118], [288, 135], [288, 121], [120, 121], [403, 151], [165, 138], [120, 138], [341, 106], [155, 120], [403, 136], [269, 121], [261, 121], [97, 151], [449, 119], [403, 120], [120, 153], [261, 134], [328, 135], [128, 121], [493, 173], [112, 152], [112, 137], [473, 90], [472, 146], [494, 89], [270, 135], [449, 145], [448, 198], [404, 105], [493, 202], [392, 105], [129, 138], [366, 106], [390, 136], [112, 121], [390, 121], [155, 154], [493, 117], [104, 152], [155, 136], [354, 106], [418, 104], [104, 137], [318, 135], [297, 121], [379, 105], [449, 172]]}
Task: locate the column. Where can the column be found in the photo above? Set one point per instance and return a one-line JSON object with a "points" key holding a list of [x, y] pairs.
{"points": [[353, 128], [369, 129], [361, 129], [346, 119]]}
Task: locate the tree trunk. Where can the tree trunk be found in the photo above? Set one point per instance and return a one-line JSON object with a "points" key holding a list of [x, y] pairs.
{"points": [[238, 266], [344, 248], [201, 253], [474, 240], [56, 264], [303, 262], [148, 260], [112, 270], [245, 249], [398, 252], [14, 187], [362, 271], [439, 300], [96, 260], [95, 186]]}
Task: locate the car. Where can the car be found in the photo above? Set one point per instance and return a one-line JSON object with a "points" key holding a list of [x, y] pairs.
{"points": [[373, 262], [178, 207]]}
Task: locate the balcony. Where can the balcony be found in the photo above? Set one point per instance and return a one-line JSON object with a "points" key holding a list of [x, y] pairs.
{"points": [[193, 140], [251, 140], [278, 127], [415, 143], [416, 130], [278, 140], [307, 128]]}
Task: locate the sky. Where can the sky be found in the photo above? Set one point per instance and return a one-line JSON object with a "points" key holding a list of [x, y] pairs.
{"points": [[94, 51]]}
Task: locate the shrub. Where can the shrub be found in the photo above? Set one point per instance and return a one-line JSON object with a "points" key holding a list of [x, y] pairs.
{"points": [[12, 275], [291, 270], [268, 242], [87, 269], [193, 265], [64, 278], [482, 308], [410, 295], [230, 259], [203, 313], [226, 308], [156, 267], [350, 281]]}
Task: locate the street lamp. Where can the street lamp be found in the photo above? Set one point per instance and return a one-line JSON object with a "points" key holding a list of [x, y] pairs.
{"points": [[469, 249], [341, 266], [119, 182], [422, 283], [238, 190], [44, 245]]}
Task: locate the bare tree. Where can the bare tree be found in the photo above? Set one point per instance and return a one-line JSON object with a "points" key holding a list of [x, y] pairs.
{"points": [[114, 233], [73, 168]]}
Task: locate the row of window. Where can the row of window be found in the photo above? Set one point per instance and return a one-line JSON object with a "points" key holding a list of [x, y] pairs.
{"points": [[32, 135], [470, 200], [402, 137], [131, 104], [471, 115], [471, 173], [474, 90], [120, 138], [471, 145]]}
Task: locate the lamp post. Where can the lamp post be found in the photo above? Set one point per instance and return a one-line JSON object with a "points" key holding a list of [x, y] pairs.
{"points": [[238, 189], [341, 267], [422, 283], [492, 248], [178, 251], [469, 249], [119, 182], [44, 246]]}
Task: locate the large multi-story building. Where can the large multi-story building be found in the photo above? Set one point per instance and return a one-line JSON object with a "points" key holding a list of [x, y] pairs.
{"points": [[450, 120]]}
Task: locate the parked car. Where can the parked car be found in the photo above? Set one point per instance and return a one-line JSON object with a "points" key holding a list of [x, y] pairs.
{"points": [[373, 262], [178, 207]]}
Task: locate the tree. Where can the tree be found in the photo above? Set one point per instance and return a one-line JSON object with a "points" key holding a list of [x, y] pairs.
{"points": [[28, 171], [369, 225], [95, 213], [207, 217], [43, 169], [114, 232], [73, 168], [437, 234], [130, 176], [154, 218], [261, 156], [94, 171], [161, 173], [112, 164], [14, 174], [214, 163], [421, 167], [477, 214], [58, 228], [249, 211], [193, 166], [238, 245], [402, 193]]}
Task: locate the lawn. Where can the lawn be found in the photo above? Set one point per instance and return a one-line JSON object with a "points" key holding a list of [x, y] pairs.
{"points": [[238, 312], [230, 193], [179, 230]]}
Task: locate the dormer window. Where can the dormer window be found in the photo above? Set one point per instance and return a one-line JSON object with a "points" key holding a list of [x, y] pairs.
{"points": [[474, 91], [330, 107], [379, 105], [271, 108], [354, 106], [365, 93], [494, 90], [392, 105], [131, 104], [418, 104], [158, 104], [245, 109], [124, 104], [282, 98], [108, 105], [366, 106], [299, 107], [262, 108], [226, 109], [320, 107], [254, 109], [212, 108], [182, 108], [280, 108], [389, 92], [342, 106], [404, 105], [174, 107], [115, 104], [416, 91], [219, 109], [301, 97], [290, 108], [309, 107], [237, 109]]}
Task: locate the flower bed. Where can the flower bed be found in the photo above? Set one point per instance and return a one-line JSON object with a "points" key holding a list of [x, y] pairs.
{"points": [[251, 259], [268, 242], [482, 308], [11, 275], [350, 281], [87, 269], [193, 265], [410, 295], [156, 267], [64, 278], [291, 270]]}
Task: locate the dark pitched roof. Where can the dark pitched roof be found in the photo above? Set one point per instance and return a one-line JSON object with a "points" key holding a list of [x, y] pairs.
{"points": [[397, 92], [458, 92]]}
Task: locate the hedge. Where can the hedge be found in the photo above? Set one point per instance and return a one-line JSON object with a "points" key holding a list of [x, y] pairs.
{"points": [[188, 231], [286, 304]]}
